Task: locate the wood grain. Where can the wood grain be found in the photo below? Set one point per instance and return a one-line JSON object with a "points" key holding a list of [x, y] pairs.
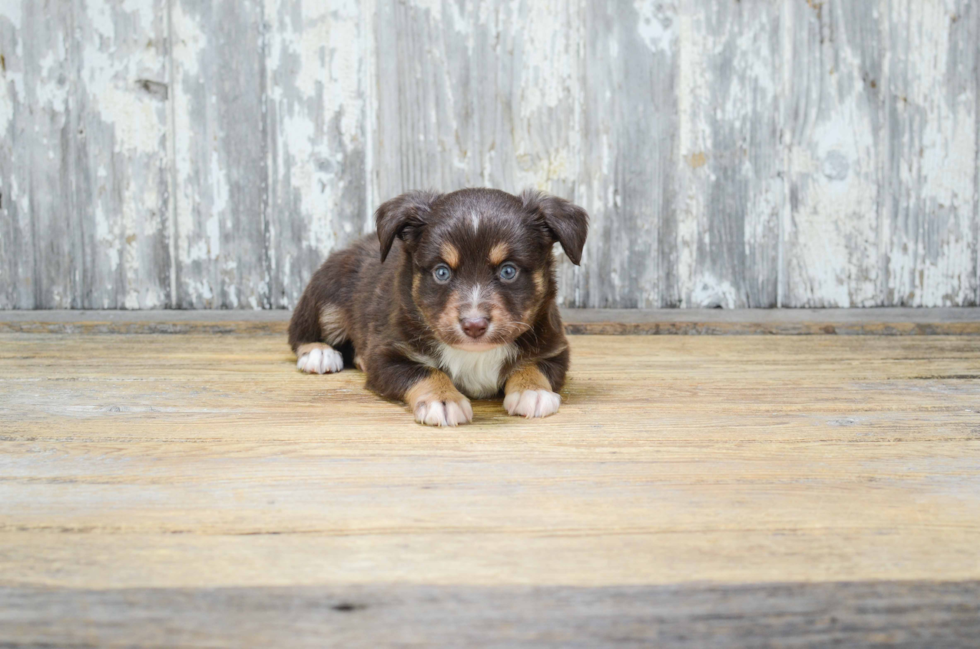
{"points": [[723, 251], [316, 101], [689, 485], [169, 153], [210, 461], [834, 127], [901, 321], [929, 100], [36, 123], [220, 164], [627, 168], [120, 174], [894, 614]]}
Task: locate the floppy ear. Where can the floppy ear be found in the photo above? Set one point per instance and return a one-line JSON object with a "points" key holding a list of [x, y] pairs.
{"points": [[567, 223], [403, 217]]}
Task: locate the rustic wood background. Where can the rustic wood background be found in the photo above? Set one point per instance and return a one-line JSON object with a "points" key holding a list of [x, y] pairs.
{"points": [[210, 153]]}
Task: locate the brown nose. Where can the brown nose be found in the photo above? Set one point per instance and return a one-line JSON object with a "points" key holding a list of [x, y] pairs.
{"points": [[474, 327]]}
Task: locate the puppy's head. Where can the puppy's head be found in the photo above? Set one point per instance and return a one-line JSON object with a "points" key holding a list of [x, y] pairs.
{"points": [[481, 258]]}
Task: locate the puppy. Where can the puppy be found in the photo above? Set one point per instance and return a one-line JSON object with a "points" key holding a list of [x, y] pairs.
{"points": [[453, 299]]}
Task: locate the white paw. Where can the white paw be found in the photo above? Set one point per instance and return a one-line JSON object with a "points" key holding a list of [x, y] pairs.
{"points": [[321, 361], [433, 412], [532, 403]]}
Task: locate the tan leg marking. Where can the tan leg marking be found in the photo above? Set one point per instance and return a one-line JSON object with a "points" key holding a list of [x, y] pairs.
{"points": [[435, 401], [332, 324], [498, 254], [318, 358], [528, 377], [450, 255], [528, 394]]}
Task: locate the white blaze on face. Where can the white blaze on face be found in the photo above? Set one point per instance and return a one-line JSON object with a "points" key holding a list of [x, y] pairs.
{"points": [[472, 308], [475, 221]]}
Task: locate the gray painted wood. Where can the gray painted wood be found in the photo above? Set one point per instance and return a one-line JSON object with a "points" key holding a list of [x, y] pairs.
{"points": [[832, 133], [176, 153], [929, 200], [627, 170], [35, 118], [16, 234], [881, 613], [220, 162], [316, 106], [723, 249], [892, 321], [119, 168], [882, 134]]}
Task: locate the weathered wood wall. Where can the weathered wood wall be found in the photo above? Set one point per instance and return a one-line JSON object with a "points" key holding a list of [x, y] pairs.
{"points": [[209, 153]]}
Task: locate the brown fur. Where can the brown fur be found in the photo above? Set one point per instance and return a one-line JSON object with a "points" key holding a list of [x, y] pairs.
{"points": [[539, 281], [380, 299], [528, 377], [435, 387], [498, 254], [333, 324], [308, 347], [450, 255]]}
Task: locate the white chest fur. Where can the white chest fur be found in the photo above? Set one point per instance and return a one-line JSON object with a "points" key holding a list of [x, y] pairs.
{"points": [[476, 374]]}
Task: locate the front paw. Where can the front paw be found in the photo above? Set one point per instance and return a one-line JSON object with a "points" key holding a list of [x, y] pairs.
{"points": [[532, 403], [321, 359], [433, 410]]}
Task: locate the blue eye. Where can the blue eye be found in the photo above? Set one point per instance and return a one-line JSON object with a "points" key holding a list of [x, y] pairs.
{"points": [[508, 272], [441, 273]]}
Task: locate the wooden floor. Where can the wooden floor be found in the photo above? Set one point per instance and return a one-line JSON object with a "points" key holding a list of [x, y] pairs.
{"points": [[701, 491]]}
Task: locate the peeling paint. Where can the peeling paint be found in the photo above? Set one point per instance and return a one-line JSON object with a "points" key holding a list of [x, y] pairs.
{"points": [[832, 252], [11, 80], [657, 24], [730, 154], [109, 78], [931, 217]]}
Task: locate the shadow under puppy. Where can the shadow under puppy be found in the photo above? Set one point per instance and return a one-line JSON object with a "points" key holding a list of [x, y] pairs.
{"points": [[457, 301]]}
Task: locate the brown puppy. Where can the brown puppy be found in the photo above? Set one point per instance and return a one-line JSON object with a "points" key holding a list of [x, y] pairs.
{"points": [[457, 301]]}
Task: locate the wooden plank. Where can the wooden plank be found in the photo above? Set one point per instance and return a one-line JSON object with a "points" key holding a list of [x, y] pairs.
{"points": [[754, 322], [626, 172], [221, 167], [85, 164], [203, 462], [482, 94], [199, 490], [683, 129], [883, 321], [905, 613], [16, 234], [720, 246], [39, 264], [316, 88], [833, 129], [120, 168], [929, 191], [418, 102]]}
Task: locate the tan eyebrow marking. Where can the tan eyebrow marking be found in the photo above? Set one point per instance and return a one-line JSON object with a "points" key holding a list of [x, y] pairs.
{"points": [[450, 255], [416, 283], [498, 254], [539, 282]]}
